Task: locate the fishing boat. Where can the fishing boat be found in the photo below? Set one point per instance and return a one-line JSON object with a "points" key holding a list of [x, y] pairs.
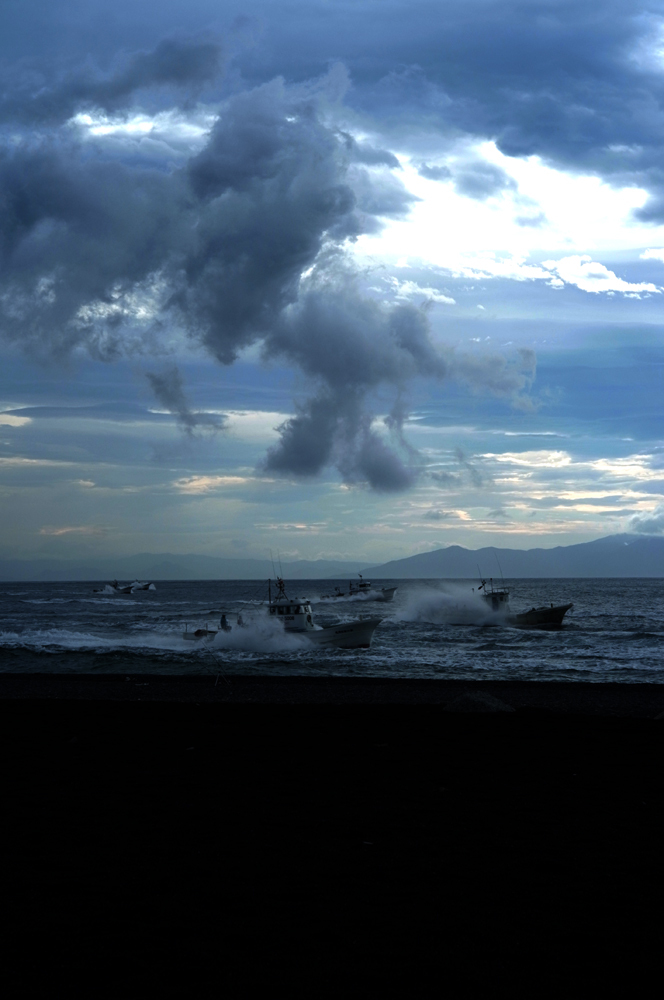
{"points": [[296, 617], [546, 616], [129, 588], [365, 588]]}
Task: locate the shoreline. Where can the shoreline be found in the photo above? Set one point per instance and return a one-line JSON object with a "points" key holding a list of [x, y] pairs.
{"points": [[644, 701]]}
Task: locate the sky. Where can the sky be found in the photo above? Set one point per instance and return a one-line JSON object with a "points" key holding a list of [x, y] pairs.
{"points": [[342, 279]]}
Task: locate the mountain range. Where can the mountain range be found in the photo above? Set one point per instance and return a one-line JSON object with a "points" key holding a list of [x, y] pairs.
{"points": [[612, 556]]}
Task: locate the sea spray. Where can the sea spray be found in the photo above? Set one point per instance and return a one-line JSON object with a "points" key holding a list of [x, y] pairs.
{"points": [[259, 636], [452, 606]]}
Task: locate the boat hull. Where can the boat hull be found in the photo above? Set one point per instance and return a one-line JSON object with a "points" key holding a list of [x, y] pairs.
{"points": [[345, 635], [551, 617]]}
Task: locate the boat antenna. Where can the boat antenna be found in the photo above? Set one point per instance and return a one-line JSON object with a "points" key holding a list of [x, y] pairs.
{"points": [[499, 567], [274, 572], [281, 572], [482, 581]]}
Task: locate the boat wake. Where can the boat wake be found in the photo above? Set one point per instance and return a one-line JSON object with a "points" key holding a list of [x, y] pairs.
{"points": [[453, 606], [368, 595]]}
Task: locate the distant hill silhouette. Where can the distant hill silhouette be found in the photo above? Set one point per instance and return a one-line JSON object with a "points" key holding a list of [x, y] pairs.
{"points": [[147, 566], [616, 555], [613, 556]]}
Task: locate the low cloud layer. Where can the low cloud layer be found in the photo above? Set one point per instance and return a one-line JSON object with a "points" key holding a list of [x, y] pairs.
{"points": [[650, 523]]}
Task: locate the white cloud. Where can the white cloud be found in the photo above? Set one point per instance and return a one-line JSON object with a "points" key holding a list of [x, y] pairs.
{"points": [[653, 254], [631, 467], [10, 420], [410, 289], [574, 212], [207, 484], [171, 127], [18, 461], [254, 425], [591, 276], [84, 530], [533, 459]]}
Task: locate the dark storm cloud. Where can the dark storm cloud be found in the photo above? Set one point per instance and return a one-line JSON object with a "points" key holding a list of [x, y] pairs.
{"points": [[75, 235], [355, 348], [476, 179], [226, 238], [351, 346], [168, 387], [31, 98], [242, 244], [380, 194], [573, 81], [364, 152], [220, 246]]}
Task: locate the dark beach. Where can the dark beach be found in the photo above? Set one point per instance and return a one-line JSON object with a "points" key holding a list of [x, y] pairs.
{"points": [[203, 814]]}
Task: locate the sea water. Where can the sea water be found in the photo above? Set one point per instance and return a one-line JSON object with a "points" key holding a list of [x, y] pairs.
{"points": [[432, 628]]}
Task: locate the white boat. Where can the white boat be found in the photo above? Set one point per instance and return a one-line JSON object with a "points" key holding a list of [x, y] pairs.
{"points": [[129, 588], [296, 618], [363, 587], [498, 599]]}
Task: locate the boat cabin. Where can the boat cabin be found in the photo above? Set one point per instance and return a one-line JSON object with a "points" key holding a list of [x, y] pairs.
{"points": [[498, 598], [295, 615]]}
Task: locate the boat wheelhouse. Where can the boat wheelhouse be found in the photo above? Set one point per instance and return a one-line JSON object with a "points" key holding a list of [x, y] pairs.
{"points": [[296, 615]]}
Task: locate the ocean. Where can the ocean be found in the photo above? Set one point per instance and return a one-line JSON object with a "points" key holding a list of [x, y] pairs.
{"points": [[615, 631]]}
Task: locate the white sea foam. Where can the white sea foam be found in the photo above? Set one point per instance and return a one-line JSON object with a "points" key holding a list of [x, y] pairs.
{"points": [[259, 636], [452, 606], [40, 639]]}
